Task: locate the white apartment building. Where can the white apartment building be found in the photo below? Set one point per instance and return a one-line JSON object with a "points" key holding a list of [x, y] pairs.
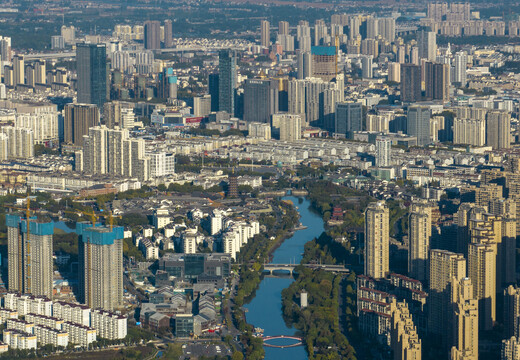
{"points": [[49, 336], [19, 340], [109, 325], [161, 164], [80, 334], [78, 314], [28, 304], [43, 320]]}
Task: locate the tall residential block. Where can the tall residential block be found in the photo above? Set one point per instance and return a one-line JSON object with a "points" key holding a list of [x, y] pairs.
{"points": [[444, 266], [498, 129], [465, 323], [512, 312], [168, 34], [78, 119], [510, 349], [437, 81], [410, 83], [420, 231], [377, 241], [101, 266], [29, 255], [383, 151], [404, 339], [418, 124], [482, 272], [265, 33], [152, 35], [427, 43], [19, 69], [324, 62], [91, 66], [227, 80]]}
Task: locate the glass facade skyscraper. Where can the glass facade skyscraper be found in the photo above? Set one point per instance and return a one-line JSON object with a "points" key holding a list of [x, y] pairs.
{"points": [[227, 68], [92, 73]]}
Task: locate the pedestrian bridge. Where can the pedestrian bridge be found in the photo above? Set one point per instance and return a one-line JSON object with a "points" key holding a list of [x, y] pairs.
{"points": [[299, 341], [270, 268]]}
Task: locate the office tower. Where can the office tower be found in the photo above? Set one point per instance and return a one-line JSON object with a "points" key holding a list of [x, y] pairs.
{"points": [[420, 232], [461, 60], [289, 126], [394, 72], [202, 105], [320, 33], [39, 72], [213, 89], [283, 28], [92, 73], [366, 67], [410, 83], [304, 65], [29, 255], [78, 119], [260, 100], [482, 272], [101, 265], [20, 142], [5, 49], [112, 151], [498, 129], [19, 70], [512, 312], [510, 349], [383, 152], [168, 34], [427, 44], [444, 265], [372, 27], [418, 124], [265, 33], [465, 323], [404, 339], [377, 240], [437, 81], [324, 62], [349, 119], [152, 35], [227, 80]]}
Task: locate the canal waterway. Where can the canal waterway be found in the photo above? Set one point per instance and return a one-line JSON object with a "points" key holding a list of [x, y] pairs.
{"points": [[265, 309]]}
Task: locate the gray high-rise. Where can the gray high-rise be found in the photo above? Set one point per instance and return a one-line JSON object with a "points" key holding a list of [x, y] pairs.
{"points": [[410, 83], [227, 80], [91, 63], [418, 124], [260, 100], [152, 35], [349, 118]]}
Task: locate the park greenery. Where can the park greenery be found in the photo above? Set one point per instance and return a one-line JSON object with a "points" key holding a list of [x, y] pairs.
{"points": [[254, 254], [319, 321]]}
